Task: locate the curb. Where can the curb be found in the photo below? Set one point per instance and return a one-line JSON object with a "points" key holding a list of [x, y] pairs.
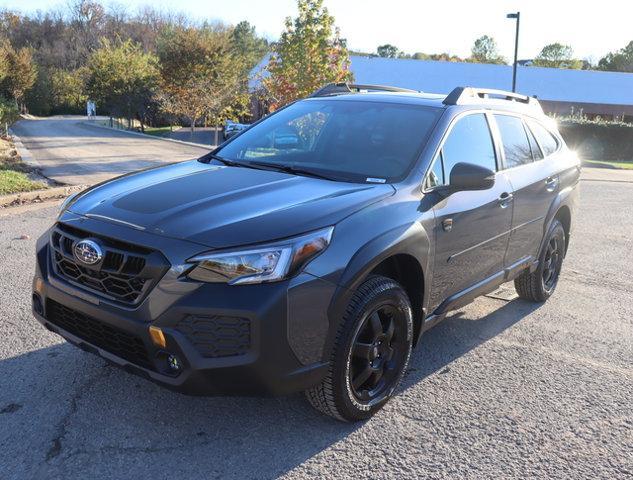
{"points": [[27, 157], [144, 135], [37, 196]]}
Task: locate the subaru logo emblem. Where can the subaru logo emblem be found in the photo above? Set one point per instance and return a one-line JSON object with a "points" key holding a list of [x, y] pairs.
{"points": [[88, 252]]}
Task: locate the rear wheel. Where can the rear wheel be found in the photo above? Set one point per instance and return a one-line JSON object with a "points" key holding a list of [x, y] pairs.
{"points": [[371, 352], [539, 285]]}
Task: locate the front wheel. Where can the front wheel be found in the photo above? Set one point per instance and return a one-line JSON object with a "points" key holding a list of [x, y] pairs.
{"points": [[539, 285], [371, 352]]}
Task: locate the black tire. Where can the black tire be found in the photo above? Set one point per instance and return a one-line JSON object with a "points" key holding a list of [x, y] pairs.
{"points": [[539, 285], [380, 303]]}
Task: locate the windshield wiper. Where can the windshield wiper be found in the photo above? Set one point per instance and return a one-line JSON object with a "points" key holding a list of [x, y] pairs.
{"points": [[225, 161], [291, 169]]}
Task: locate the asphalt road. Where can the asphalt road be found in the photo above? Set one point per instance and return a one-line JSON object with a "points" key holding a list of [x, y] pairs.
{"points": [[71, 151], [501, 389]]}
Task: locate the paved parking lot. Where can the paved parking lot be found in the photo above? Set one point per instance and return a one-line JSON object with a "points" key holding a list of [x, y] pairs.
{"points": [[501, 389], [71, 150]]}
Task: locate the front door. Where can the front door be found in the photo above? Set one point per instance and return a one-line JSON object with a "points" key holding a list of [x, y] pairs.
{"points": [[472, 227]]}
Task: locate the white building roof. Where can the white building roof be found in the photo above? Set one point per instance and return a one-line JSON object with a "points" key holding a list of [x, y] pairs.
{"points": [[546, 83]]}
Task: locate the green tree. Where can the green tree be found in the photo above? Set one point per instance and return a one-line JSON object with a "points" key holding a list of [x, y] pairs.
{"points": [[122, 79], [388, 51], [485, 50], [18, 72], [619, 61], [247, 44], [200, 72], [68, 89], [309, 54], [557, 55], [8, 112]]}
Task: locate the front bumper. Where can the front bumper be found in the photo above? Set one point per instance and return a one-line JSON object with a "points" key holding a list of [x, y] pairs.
{"points": [[287, 323]]}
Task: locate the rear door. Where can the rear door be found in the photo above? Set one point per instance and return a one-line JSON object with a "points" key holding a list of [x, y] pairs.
{"points": [[534, 182], [471, 227]]}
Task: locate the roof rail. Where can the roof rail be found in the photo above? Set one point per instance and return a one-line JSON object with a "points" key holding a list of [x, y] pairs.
{"points": [[469, 95], [344, 87]]}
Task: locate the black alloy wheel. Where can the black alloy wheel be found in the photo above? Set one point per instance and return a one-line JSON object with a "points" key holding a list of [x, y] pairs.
{"points": [[370, 354], [378, 351], [552, 263]]}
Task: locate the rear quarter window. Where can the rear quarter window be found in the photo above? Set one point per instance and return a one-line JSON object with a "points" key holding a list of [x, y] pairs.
{"points": [[546, 139]]}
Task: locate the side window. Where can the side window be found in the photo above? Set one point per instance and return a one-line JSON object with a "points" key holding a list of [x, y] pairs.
{"points": [[536, 151], [546, 140], [470, 141], [435, 177], [515, 141]]}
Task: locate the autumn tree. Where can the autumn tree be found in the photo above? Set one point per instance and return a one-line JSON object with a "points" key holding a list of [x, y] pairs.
{"points": [[557, 55], [485, 50], [122, 79], [388, 51], [309, 55], [200, 72], [17, 73], [619, 61]]}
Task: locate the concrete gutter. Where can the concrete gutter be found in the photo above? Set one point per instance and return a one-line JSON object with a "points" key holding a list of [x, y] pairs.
{"points": [[24, 154], [37, 196], [192, 144]]}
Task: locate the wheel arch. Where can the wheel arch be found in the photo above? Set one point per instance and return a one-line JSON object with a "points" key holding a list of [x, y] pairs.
{"points": [[402, 254], [563, 215], [561, 209]]}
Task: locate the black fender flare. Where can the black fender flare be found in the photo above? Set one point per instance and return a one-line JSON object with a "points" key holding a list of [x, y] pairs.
{"points": [[565, 198], [410, 239]]}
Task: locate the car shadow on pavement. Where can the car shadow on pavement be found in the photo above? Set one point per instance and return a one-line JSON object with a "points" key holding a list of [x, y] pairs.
{"points": [[61, 406]]}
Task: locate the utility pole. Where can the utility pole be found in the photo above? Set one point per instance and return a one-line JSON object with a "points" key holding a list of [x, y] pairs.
{"points": [[517, 16]]}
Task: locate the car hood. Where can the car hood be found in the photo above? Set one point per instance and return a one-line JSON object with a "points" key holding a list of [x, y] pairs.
{"points": [[221, 206]]}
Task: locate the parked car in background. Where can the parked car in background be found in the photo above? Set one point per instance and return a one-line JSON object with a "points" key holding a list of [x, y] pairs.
{"points": [[231, 128], [312, 251]]}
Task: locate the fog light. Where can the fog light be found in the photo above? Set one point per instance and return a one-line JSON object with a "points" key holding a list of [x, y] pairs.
{"points": [[157, 336], [37, 304], [173, 363]]}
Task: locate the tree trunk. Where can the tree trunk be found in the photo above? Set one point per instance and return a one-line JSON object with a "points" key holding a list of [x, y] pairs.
{"points": [[216, 135], [193, 124]]}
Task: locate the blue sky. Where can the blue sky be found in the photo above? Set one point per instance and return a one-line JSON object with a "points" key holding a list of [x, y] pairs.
{"points": [[593, 28]]}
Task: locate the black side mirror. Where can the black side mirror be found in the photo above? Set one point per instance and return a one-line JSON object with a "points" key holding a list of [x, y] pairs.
{"points": [[468, 176]]}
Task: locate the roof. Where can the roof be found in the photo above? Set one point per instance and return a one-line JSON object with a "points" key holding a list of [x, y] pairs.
{"points": [[563, 85], [545, 83]]}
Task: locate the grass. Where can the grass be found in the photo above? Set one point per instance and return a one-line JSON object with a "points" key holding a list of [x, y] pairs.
{"points": [[159, 131], [614, 164], [14, 175]]}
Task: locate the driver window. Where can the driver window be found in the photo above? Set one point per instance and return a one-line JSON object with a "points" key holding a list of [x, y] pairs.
{"points": [[470, 141]]}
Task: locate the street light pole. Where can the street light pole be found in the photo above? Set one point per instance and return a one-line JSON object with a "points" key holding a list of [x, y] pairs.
{"points": [[516, 15]]}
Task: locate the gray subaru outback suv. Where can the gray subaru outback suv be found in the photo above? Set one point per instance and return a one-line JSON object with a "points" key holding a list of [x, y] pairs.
{"points": [[311, 251]]}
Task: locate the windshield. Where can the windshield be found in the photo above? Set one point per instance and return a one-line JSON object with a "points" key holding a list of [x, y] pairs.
{"points": [[357, 141]]}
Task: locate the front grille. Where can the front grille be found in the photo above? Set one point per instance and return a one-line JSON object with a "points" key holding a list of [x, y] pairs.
{"points": [[217, 336], [109, 338], [125, 274]]}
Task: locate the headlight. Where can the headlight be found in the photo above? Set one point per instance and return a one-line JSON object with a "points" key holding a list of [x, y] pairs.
{"points": [[265, 264]]}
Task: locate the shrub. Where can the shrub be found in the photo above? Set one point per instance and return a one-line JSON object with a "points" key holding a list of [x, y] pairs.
{"points": [[8, 111]]}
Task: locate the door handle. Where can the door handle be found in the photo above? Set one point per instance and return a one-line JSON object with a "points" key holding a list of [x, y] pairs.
{"points": [[505, 199], [551, 183]]}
